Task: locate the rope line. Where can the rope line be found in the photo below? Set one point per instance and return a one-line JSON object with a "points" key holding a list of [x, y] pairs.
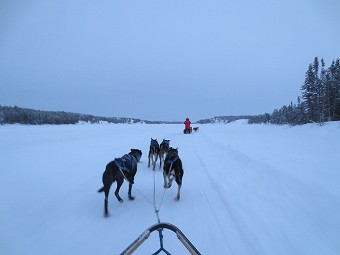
{"points": [[160, 231], [147, 199], [154, 198], [153, 203], [160, 204], [134, 187]]}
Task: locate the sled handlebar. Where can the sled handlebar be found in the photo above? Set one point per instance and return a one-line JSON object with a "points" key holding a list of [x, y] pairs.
{"points": [[185, 241]]}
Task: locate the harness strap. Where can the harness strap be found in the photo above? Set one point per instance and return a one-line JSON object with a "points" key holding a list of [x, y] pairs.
{"points": [[126, 163], [124, 175], [171, 172], [172, 158]]}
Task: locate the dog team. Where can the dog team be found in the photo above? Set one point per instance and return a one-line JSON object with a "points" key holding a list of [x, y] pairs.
{"points": [[126, 168]]}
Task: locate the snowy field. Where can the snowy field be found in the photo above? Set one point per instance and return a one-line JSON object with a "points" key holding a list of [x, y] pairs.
{"points": [[247, 189]]}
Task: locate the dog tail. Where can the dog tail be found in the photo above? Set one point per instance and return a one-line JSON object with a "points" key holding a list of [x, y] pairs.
{"points": [[101, 189]]}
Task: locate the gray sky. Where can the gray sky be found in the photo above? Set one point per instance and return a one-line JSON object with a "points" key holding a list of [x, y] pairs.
{"points": [[162, 59]]}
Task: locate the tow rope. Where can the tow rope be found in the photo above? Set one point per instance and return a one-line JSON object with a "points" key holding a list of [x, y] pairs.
{"points": [[159, 227]]}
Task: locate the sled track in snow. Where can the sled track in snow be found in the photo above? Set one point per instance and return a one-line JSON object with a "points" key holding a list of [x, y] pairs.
{"points": [[247, 237]]}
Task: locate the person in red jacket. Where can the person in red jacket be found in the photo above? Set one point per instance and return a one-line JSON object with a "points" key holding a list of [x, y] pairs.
{"points": [[187, 129]]}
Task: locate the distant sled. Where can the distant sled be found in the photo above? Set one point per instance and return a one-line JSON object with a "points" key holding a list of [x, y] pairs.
{"points": [[160, 226], [187, 130]]}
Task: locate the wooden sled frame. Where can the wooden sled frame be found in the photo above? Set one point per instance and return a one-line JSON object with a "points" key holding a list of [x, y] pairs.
{"points": [[160, 226]]}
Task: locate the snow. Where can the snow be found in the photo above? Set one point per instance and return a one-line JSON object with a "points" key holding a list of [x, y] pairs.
{"points": [[247, 189]]}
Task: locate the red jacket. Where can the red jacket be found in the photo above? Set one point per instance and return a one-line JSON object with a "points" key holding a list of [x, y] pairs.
{"points": [[187, 123]]}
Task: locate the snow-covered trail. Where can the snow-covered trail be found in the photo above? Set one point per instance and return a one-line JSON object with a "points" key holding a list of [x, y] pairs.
{"points": [[259, 204], [251, 203], [247, 189]]}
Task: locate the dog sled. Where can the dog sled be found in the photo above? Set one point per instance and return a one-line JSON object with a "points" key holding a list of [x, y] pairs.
{"points": [[159, 227], [187, 130]]}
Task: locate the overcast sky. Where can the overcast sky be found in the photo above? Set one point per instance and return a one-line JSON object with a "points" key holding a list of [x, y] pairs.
{"points": [[162, 59]]}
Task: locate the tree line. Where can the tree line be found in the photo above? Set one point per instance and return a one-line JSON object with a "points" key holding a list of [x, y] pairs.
{"points": [[12, 115], [224, 119], [19, 115], [319, 102]]}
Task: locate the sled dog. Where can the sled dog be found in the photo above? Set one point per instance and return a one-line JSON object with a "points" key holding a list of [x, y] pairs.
{"points": [[173, 170], [163, 151], [118, 170], [153, 153]]}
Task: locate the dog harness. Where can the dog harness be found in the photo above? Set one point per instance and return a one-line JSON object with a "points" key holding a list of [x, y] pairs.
{"points": [[126, 163], [171, 157], [164, 145]]}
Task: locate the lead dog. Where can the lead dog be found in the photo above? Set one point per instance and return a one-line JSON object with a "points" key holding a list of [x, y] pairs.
{"points": [[163, 151], [118, 170], [153, 153], [173, 170]]}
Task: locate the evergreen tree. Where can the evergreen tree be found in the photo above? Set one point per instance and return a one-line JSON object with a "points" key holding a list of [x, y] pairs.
{"points": [[311, 91], [308, 93], [321, 95], [300, 115], [336, 88]]}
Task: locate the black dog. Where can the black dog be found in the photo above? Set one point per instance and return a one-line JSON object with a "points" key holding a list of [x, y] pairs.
{"points": [[153, 152], [173, 170], [195, 129], [163, 151], [117, 170]]}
